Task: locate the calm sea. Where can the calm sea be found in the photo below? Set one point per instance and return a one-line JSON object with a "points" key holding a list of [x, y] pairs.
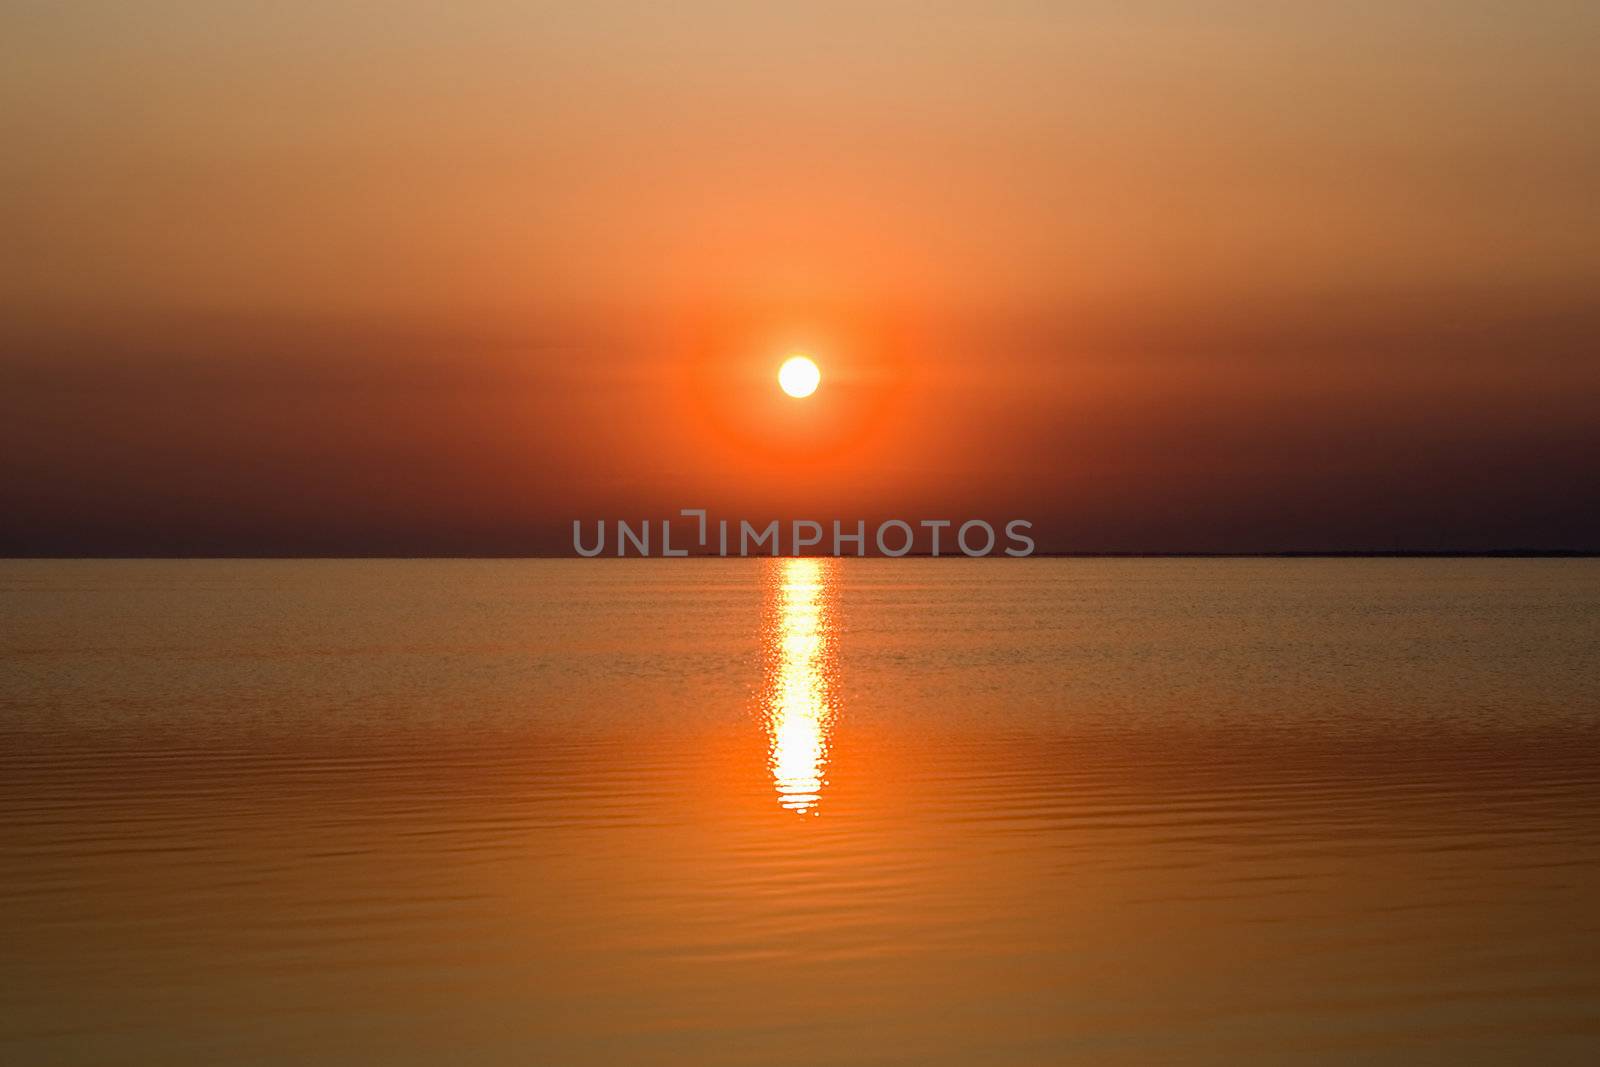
{"points": [[800, 812]]}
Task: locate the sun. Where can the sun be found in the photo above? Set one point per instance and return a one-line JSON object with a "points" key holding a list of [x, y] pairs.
{"points": [[799, 376]]}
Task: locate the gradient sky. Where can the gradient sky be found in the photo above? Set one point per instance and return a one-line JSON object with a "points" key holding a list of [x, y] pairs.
{"points": [[409, 278]]}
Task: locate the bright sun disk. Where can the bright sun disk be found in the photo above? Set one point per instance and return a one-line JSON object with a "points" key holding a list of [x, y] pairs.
{"points": [[799, 376]]}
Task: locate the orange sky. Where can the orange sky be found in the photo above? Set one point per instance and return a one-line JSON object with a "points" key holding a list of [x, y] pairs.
{"points": [[1161, 277]]}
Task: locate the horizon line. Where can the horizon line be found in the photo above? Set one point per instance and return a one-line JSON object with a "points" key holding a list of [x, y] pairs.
{"points": [[1490, 553]]}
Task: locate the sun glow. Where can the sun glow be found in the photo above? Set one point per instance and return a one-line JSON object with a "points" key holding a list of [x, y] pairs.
{"points": [[799, 376]]}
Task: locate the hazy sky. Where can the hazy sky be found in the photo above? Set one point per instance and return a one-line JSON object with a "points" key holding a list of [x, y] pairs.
{"points": [[417, 278]]}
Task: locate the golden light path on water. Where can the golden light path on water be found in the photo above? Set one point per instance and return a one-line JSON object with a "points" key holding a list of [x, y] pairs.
{"points": [[798, 703]]}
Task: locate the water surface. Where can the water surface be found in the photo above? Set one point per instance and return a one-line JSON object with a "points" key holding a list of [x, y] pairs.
{"points": [[800, 812]]}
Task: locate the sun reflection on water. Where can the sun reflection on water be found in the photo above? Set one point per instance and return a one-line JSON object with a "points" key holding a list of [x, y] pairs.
{"points": [[798, 702]]}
